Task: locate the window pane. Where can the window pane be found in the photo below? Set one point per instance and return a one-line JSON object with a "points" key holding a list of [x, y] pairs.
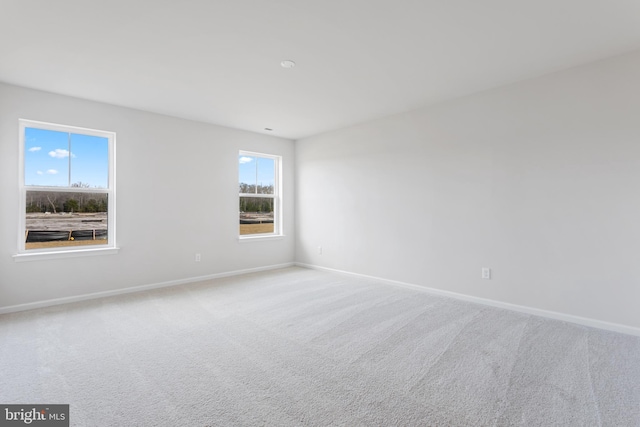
{"points": [[46, 158], [265, 175], [256, 175], [60, 219], [89, 161], [256, 215], [247, 173]]}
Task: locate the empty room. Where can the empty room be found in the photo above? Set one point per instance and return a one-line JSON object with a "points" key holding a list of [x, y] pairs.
{"points": [[336, 213]]}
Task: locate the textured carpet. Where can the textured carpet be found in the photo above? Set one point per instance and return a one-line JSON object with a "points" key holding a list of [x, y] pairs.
{"points": [[297, 347]]}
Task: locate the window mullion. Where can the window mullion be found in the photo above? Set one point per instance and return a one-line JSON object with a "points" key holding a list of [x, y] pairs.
{"points": [[259, 196], [69, 148]]}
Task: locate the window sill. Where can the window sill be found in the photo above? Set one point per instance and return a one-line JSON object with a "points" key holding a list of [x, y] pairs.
{"points": [[39, 256], [258, 238]]}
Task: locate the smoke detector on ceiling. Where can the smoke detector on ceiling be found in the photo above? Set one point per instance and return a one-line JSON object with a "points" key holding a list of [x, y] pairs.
{"points": [[287, 64]]}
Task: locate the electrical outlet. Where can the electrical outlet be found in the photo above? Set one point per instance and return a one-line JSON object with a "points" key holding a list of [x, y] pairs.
{"points": [[198, 258], [486, 273]]}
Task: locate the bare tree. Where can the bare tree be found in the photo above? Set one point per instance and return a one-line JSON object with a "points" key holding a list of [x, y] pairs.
{"points": [[52, 202]]}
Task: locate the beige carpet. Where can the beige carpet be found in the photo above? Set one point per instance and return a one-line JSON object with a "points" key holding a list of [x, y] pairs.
{"points": [[297, 347]]}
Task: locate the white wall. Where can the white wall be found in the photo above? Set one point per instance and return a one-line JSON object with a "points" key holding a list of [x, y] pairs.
{"points": [[539, 181], [185, 171]]}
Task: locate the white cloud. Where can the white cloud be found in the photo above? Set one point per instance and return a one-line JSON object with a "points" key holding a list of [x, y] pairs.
{"points": [[244, 160], [34, 149], [52, 171], [39, 172], [59, 153]]}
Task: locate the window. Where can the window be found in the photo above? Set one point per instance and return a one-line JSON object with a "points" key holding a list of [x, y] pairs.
{"points": [[67, 188], [259, 181]]}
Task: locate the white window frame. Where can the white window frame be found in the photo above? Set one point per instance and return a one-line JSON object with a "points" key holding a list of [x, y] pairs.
{"points": [[277, 198], [72, 251]]}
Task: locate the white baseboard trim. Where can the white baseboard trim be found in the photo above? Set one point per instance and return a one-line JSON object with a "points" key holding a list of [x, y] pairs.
{"points": [[593, 323], [96, 295]]}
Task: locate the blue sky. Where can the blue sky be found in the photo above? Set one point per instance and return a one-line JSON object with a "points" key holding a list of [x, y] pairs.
{"points": [[265, 171], [49, 155]]}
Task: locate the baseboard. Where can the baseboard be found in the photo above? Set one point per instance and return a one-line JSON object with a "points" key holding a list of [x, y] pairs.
{"points": [[593, 323], [95, 295]]}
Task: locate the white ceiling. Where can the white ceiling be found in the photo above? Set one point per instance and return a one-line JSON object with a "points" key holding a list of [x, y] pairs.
{"points": [[219, 61]]}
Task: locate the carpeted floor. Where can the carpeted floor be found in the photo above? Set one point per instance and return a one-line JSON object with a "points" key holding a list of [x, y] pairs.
{"points": [[298, 347]]}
